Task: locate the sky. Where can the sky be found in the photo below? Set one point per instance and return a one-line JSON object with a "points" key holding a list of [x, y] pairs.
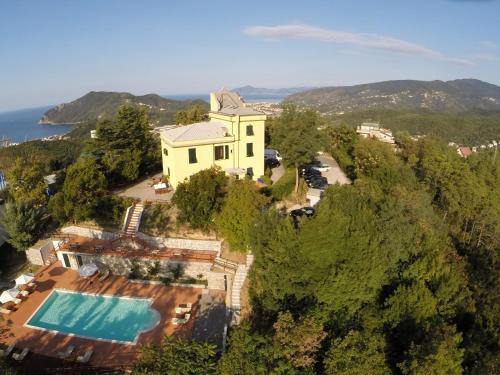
{"points": [[56, 51]]}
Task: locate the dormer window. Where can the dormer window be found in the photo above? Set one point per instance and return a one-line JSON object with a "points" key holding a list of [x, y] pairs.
{"points": [[250, 130]]}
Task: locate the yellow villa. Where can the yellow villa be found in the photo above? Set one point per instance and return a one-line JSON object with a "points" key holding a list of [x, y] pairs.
{"points": [[232, 139]]}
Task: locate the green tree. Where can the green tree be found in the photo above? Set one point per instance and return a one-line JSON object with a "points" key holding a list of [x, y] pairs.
{"points": [[193, 114], [439, 354], [357, 353], [83, 186], [295, 134], [26, 183], [177, 356], [200, 198], [23, 223], [299, 340], [126, 146], [241, 207], [252, 353]]}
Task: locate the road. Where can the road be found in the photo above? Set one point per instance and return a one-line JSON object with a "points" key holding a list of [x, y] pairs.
{"points": [[277, 173], [335, 174]]}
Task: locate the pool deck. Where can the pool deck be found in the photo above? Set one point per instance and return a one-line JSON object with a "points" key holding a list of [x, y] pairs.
{"points": [[45, 345]]}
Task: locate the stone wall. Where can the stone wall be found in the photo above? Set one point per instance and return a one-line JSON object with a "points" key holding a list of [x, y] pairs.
{"points": [[174, 243], [90, 233], [121, 266]]}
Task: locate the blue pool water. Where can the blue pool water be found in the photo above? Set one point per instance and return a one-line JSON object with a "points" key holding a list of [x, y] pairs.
{"points": [[95, 316]]}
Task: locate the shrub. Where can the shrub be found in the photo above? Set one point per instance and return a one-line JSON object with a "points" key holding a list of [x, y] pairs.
{"points": [[200, 197], [285, 185]]}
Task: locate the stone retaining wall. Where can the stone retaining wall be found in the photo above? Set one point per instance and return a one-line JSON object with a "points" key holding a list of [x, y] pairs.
{"points": [[174, 243]]}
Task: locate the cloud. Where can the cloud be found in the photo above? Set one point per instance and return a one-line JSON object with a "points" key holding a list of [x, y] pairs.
{"points": [[387, 43], [488, 44]]}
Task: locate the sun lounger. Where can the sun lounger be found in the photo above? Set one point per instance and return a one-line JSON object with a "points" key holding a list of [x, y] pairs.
{"points": [[86, 356], [104, 276], [183, 308], [25, 293], [65, 354], [20, 356], [5, 353], [17, 301], [5, 311]]}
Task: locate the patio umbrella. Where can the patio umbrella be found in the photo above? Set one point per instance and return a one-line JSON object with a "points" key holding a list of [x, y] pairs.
{"points": [[87, 269], [24, 279], [9, 295]]}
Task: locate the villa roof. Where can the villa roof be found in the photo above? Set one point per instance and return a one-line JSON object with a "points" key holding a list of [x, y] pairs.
{"points": [[196, 132], [231, 103]]}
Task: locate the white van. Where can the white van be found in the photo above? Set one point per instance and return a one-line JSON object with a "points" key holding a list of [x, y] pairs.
{"points": [[269, 153]]}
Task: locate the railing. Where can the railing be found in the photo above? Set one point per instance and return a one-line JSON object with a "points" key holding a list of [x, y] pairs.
{"points": [[225, 264], [127, 218]]}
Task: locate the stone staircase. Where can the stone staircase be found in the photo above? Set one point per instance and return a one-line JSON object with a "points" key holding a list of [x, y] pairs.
{"points": [[133, 219], [52, 258], [239, 279]]}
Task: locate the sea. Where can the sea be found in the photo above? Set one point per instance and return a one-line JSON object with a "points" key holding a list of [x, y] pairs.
{"points": [[22, 125]]}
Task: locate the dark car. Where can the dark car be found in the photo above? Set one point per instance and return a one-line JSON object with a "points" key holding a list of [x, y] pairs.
{"points": [[308, 211], [317, 179], [271, 163], [311, 175], [321, 185]]}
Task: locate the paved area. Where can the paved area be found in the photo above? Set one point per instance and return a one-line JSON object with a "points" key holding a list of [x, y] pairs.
{"points": [[277, 173], [44, 344], [335, 174], [144, 191], [212, 317]]}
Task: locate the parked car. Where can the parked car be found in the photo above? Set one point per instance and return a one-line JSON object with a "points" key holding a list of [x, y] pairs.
{"points": [[309, 178], [271, 163], [321, 167], [310, 172], [269, 153], [308, 211], [318, 183]]}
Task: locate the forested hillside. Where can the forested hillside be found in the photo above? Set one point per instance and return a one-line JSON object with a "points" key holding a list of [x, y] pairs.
{"points": [[395, 274], [470, 128], [105, 106], [438, 96]]}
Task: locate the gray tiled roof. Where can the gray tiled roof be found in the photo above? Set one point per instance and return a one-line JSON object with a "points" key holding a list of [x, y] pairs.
{"points": [[230, 103], [196, 131]]}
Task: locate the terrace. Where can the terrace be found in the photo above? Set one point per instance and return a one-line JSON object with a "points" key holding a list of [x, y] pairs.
{"points": [[132, 247], [44, 345]]}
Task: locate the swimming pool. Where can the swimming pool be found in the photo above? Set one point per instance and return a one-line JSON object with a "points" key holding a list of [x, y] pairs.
{"points": [[95, 316]]}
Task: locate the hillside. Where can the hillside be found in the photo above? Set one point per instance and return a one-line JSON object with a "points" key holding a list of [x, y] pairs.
{"points": [[104, 105], [436, 96], [471, 128]]}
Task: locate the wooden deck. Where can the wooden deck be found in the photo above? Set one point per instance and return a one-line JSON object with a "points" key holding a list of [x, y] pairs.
{"points": [[142, 249], [45, 345]]}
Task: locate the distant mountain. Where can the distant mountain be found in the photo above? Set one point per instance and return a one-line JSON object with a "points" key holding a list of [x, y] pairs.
{"points": [[259, 91], [436, 96], [98, 105]]}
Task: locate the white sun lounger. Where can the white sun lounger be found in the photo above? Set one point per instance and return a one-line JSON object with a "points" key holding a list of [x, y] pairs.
{"points": [[20, 356], [183, 308], [86, 356], [5, 353], [104, 276], [65, 354]]}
